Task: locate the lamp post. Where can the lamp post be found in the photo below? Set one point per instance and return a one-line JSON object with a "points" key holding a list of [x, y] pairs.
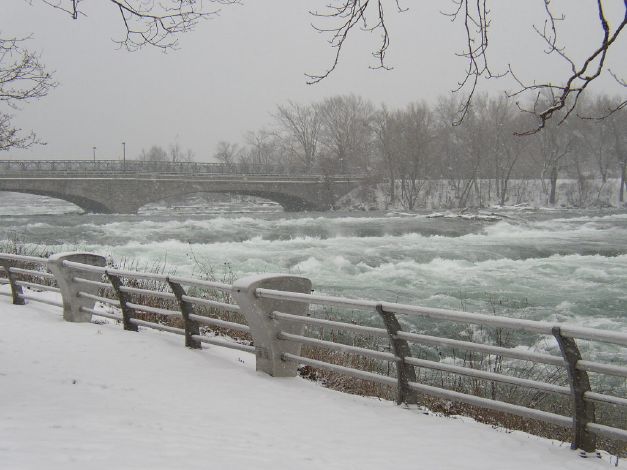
{"points": [[123, 156], [94, 149]]}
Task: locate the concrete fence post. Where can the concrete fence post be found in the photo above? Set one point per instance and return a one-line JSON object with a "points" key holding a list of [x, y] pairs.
{"points": [[72, 303], [264, 329]]}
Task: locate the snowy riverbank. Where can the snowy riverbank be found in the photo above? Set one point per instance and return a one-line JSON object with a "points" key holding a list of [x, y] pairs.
{"points": [[92, 396], [454, 194]]}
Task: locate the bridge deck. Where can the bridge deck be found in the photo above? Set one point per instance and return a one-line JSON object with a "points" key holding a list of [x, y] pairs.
{"points": [[119, 190]]}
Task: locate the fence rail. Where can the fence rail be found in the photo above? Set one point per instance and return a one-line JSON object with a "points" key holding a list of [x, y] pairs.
{"points": [[274, 310]]}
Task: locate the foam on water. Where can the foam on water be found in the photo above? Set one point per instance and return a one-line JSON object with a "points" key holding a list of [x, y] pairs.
{"points": [[533, 264]]}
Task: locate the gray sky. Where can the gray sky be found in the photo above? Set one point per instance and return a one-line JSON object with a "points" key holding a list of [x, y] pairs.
{"points": [[232, 71]]}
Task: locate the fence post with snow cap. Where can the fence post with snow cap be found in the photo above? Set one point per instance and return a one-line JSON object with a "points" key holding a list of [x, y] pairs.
{"points": [[264, 328], [75, 303]]}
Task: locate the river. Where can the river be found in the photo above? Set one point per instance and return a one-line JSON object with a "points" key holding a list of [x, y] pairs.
{"points": [[566, 265]]}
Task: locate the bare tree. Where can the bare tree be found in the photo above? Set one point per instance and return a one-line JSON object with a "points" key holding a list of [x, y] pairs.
{"points": [[555, 144], [605, 122], [263, 148], [23, 78], [475, 17], [618, 124], [594, 136], [450, 146], [504, 148], [227, 153], [151, 23], [384, 127], [463, 149], [177, 154], [475, 134], [346, 133], [154, 154], [300, 125], [415, 139], [147, 23]]}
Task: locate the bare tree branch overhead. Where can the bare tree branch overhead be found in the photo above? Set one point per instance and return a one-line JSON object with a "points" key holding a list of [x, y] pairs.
{"points": [[152, 22], [159, 24], [348, 14], [582, 73], [22, 78], [475, 18]]}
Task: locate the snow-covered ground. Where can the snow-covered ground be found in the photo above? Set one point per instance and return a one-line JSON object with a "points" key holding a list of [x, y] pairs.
{"points": [[445, 194], [92, 396]]}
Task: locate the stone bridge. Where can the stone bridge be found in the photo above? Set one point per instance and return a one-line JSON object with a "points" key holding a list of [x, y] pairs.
{"points": [[123, 190]]}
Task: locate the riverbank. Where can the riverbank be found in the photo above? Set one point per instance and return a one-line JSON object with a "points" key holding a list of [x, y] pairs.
{"points": [[459, 195]]}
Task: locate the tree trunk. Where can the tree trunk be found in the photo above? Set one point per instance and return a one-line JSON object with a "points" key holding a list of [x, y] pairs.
{"points": [[503, 192], [553, 181], [623, 183], [392, 185]]}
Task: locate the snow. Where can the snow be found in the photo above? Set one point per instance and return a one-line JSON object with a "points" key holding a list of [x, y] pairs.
{"points": [[521, 195], [93, 396]]}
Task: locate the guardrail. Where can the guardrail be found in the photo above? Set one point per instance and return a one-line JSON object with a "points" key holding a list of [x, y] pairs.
{"points": [[274, 310], [131, 167]]}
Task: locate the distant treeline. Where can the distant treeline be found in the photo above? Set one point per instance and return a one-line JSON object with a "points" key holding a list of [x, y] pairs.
{"points": [[420, 143]]}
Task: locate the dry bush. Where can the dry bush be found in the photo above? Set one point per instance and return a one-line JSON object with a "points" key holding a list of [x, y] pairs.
{"points": [[535, 399], [14, 246], [343, 383], [172, 304]]}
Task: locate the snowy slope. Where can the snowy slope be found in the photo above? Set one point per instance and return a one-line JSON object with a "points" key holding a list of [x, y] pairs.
{"points": [[88, 396]]}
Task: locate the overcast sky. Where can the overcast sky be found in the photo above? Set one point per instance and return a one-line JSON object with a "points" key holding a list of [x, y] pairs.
{"points": [[230, 73]]}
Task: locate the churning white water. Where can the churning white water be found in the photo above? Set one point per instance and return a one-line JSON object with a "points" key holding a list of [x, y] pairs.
{"points": [[538, 264]]}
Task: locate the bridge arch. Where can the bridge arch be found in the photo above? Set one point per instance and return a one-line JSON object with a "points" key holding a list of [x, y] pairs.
{"points": [[84, 203], [289, 203]]}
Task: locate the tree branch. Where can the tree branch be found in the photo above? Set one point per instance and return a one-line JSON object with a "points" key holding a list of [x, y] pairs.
{"points": [[156, 23], [22, 78], [565, 97], [347, 15]]}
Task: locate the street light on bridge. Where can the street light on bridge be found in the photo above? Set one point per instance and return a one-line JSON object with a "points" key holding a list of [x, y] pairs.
{"points": [[123, 156], [94, 149]]}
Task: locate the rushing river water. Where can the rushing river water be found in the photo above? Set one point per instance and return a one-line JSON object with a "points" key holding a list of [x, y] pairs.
{"points": [[538, 264]]}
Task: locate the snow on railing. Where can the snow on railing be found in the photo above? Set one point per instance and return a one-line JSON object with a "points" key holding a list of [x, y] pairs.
{"points": [[274, 312]]}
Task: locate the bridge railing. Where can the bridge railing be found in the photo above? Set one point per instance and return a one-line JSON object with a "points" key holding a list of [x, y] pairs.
{"points": [[277, 318], [132, 167]]}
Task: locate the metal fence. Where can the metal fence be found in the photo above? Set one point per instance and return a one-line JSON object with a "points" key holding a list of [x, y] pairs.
{"points": [[276, 312]]}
